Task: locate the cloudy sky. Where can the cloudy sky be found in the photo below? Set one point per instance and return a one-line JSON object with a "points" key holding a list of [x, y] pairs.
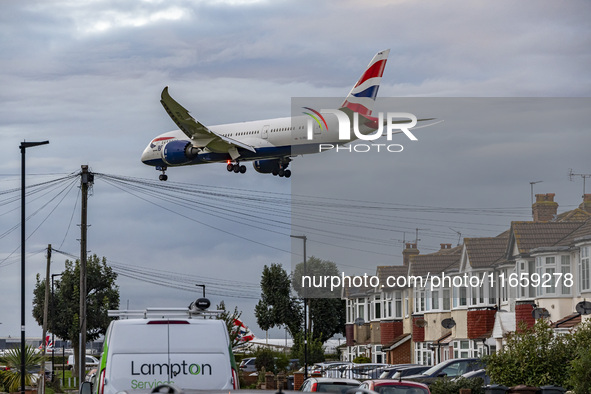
{"points": [[87, 76]]}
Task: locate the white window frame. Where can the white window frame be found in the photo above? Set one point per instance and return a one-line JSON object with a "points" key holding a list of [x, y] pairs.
{"points": [[585, 269], [423, 353]]}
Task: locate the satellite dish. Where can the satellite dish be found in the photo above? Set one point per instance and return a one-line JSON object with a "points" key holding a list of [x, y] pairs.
{"points": [[448, 323], [539, 313], [359, 321], [420, 322], [583, 308]]}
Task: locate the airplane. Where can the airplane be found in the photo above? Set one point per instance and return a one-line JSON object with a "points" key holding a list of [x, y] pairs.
{"points": [[270, 144], [249, 341]]}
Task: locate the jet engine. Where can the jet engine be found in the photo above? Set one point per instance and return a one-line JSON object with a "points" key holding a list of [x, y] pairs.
{"points": [[179, 152]]}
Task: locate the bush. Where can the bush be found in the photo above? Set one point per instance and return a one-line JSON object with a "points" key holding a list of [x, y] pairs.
{"points": [[580, 378], [447, 386], [265, 358], [361, 360]]}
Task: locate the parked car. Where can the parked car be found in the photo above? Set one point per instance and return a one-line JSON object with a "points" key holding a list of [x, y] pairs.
{"points": [[403, 371], [387, 386], [363, 371], [480, 373], [247, 365], [450, 368], [388, 373], [91, 362], [329, 385]]}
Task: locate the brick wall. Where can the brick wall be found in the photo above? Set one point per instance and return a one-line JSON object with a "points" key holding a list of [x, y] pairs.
{"points": [[544, 209], [480, 323], [418, 333], [400, 355], [350, 334], [523, 314], [389, 331]]}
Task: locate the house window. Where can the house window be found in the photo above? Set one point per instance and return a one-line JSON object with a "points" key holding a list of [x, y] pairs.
{"points": [[464, 348], [550, 277], [419, 300], [406, 304], [423, 355], [460, 296], [584, 269], [565, 269], [377, 308], [398, 304], [350, 312]]}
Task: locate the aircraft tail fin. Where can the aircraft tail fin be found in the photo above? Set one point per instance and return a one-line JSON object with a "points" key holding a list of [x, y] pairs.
{"points": [[363, 95], [243, 333]]}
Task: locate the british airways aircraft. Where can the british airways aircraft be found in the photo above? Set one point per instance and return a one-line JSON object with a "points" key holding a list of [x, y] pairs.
{"points": [[270, 143]]}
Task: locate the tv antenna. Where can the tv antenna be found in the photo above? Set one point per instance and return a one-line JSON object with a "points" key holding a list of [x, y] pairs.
{"points": [[571, 174], [459, 235], [531, 185]]}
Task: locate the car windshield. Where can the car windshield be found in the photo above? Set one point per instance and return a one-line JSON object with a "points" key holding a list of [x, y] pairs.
{"points": [[432, 370], [400, 389]]}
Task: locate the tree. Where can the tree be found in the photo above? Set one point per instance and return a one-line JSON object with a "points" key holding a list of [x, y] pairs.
{"points": [[315, 349], [277, 307], [102, 294], [229, 319], [326, 308]]}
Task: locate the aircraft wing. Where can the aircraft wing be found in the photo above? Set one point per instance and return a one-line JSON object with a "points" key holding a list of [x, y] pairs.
{"points": [[201, 136]]}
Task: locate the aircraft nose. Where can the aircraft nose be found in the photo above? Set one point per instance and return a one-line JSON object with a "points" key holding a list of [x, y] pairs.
{"points": [[146, 154]]}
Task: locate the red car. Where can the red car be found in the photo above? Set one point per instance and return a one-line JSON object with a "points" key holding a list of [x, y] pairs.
{"points": [[387, 386]]}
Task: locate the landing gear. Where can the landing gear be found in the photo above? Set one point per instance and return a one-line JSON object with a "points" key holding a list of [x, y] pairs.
{"points": [[237, 168], [282, 170], [163, 176]]}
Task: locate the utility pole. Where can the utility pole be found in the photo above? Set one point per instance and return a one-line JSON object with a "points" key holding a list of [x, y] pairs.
{"points": [[45, 310], [86, 180], [304, 291]]}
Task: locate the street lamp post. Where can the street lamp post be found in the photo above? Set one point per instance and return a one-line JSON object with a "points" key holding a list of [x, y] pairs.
{"points": [[304, 238], [23, 148], [52, 334]]}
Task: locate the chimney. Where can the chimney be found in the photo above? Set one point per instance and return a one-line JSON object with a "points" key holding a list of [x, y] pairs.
{"points": [[445, 246], [586, 204], [544, 209], [410, 250]]}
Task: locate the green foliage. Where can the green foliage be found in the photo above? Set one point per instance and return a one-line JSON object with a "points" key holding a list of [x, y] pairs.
{"points": [[228, 319], [326, 308], [448, 386], [361, 360], [102, 295], [277, 308], [315, 349], [580, 377], [265, 359], [538, 356], [11, 379]]}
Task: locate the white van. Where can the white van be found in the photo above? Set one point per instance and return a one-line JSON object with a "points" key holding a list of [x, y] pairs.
{"points": [[190, 350]]}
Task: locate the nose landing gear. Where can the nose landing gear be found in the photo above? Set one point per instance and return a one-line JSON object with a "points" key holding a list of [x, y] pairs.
{"points": [[163, 176]]}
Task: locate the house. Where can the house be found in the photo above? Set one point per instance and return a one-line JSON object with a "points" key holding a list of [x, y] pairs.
{"points": [[464, 299]]}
